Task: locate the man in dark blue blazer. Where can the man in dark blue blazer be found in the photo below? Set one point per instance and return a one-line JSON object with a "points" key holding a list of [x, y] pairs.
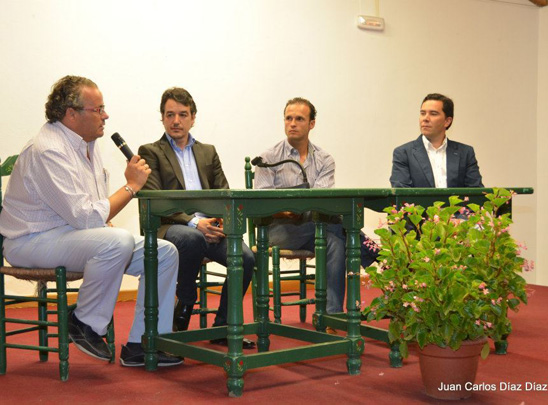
{"points": [[432, 160]]}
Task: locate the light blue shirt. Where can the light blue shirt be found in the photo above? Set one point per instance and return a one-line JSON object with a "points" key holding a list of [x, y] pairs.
{"points": [[319, 166], [187, 161]]}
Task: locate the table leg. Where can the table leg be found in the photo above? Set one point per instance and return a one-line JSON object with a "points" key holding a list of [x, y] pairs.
{"points": [[151, 299], [353, 301], [234, 360]]}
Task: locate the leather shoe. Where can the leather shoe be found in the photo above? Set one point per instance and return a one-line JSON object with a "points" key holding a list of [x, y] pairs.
{"points": [[86, 339], [246, 344], [181, 316], [133, 355]]}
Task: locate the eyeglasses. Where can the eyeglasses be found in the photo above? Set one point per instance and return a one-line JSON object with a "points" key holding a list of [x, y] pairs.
{"points": [[100, 110]]}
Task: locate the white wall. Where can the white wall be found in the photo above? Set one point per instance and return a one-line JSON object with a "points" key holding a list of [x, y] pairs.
{"points": [[542, 150], [243, 59]]}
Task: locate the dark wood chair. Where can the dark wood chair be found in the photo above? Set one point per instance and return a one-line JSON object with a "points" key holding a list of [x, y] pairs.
{"points": [[206, 285]]}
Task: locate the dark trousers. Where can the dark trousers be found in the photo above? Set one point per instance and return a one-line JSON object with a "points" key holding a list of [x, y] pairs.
{"points": [[193, 248]]}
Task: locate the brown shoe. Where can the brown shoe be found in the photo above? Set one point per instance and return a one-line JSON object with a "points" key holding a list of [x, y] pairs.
{"points": [[330, 331]]}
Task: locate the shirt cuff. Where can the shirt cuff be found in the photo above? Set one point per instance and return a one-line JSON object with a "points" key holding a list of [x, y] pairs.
{"points": [[193, 223]]}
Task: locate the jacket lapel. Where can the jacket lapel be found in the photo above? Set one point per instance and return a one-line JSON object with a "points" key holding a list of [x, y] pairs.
{"points": [[419, 152], [452, 164], [172, 159]]}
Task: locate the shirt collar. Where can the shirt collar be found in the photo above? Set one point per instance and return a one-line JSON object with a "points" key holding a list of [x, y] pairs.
{"points": [[190, 144], [292, 151], [74, 139], [428, 144]]}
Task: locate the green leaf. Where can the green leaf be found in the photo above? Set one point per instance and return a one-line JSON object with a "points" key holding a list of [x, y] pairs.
{"points": [[415, 219], [474, 207], [421, 337], [485, 350], [454, 200], [513, 303], [404, 349]]}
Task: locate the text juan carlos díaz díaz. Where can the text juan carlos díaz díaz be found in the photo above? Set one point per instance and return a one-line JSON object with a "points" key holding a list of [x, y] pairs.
{"points": [[502, 386]]}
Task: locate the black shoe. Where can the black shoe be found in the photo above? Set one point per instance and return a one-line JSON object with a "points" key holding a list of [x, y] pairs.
{"points": [[181, 316], [133, 355], [246, 344], [85, 339]]}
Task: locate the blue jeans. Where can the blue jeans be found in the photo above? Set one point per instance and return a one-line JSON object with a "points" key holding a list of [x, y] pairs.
{"points": [[291, 236], [193, 248]]}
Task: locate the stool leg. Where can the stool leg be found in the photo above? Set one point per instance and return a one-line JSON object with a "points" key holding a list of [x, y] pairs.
{"points": [[302, 288], [263, 292], [43, 317], [2, 328], [62, 321], [254, 294], [276, 285], [110, 340], [203, 296]]}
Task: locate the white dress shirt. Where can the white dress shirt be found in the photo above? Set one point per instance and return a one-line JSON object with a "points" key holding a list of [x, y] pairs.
{"points": [[65, 188], [438, 161]]}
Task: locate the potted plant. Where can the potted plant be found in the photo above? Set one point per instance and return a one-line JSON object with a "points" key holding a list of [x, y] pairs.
{"points": [[449, 281]]}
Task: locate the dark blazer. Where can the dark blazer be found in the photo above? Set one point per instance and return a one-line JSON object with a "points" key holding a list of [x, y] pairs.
{"points": [[411, 166], [167, 174]]}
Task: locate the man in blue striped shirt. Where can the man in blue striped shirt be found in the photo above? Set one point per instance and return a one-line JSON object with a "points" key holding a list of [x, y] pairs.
{"points": [[293, 231]]}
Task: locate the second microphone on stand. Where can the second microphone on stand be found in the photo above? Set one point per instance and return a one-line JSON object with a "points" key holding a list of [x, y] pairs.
{"points": [[258, 161]]}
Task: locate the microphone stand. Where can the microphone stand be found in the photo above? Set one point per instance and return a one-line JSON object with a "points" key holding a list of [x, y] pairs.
{"points": [[258, 161]]}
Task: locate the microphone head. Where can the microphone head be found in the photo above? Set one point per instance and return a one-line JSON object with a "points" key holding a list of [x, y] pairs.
{"points": [[255, 161], [121, 144], [117, 138]]}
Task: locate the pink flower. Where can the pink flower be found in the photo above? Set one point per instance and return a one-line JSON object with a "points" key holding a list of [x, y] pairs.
{"points": [[528, 265], [437, 251], [486, 291], [478, 322], [482, 286], [371, 244], [466, 199], [426, 259]]}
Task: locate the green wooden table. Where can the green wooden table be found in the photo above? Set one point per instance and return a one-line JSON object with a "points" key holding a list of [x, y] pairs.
{"points": [[235, 206]]}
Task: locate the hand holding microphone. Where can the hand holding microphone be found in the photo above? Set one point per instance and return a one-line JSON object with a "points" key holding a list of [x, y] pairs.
{"points": [[137, 170]]}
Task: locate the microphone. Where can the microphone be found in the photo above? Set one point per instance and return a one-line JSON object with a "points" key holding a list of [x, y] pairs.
{"points": [[122, 145], [258, 161]]}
